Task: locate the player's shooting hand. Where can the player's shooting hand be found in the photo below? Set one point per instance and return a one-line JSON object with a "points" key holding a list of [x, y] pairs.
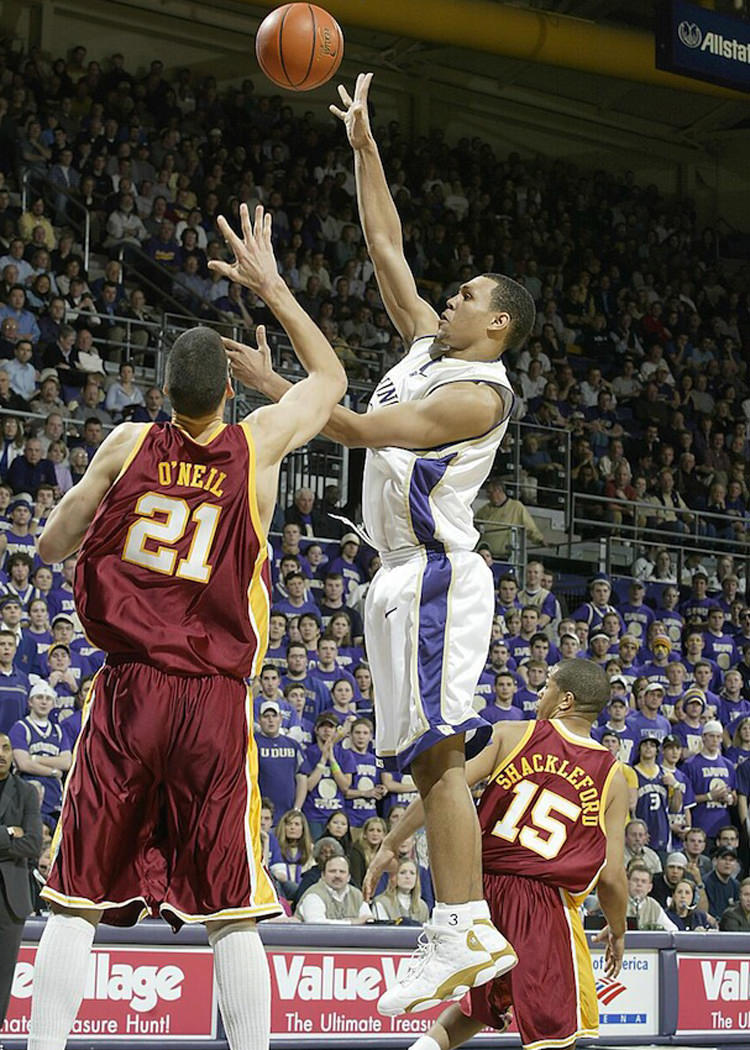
{"points": [[384, 860], [247, 364], [255, 264], [355, 117], [613, 951]]}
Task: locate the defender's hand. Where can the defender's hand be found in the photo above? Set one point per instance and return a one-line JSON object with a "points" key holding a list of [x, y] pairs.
{"points": [[255, 264], [384, 860], [355, 117], [613, 951], [250, 366]]}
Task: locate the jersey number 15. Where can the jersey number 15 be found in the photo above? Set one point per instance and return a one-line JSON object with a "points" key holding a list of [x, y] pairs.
{"points": [[541, 819], [161, 555]]}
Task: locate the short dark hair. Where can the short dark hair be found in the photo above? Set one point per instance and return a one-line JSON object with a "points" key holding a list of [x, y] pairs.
{"points": [[587, 682], [196, 372], [510, 296]]}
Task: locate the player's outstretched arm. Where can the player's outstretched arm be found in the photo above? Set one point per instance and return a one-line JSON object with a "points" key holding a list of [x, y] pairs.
{"points": [[67, 524], [411, 315], [612, 888], [304, 408]]}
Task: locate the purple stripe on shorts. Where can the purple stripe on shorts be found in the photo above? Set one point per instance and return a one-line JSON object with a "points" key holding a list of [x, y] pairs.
{"points": [[433, 617], [425, 476]]}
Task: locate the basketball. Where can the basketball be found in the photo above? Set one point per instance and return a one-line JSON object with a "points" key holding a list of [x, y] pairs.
{"points": [[299, 46]]}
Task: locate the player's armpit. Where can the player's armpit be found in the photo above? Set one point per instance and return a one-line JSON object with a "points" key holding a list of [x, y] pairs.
{"points": [[454, 412], [68, 522], [504, 737]]}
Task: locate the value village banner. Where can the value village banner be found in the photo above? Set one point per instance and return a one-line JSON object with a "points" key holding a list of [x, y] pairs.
{"points": [[132, 993], [714, 994]]}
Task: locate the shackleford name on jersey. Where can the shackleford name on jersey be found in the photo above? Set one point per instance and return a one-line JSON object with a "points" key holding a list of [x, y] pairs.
{"points": [[527, 766], [175, 474]]}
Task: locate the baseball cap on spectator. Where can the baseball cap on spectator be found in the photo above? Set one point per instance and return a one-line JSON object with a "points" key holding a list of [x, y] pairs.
{"points": [[671, 741], [694, 695], [662, 639], [650, 737], [10, 599], [21, 501], [49, 373], [618, 700], [725, 851], [62, 618], [270, 705], [601, 578], [712, 726], [599, 634], [677, 859], [59, 645], [350, 537], [326, 718], [569, 634], [620, 679], [42, 688], [653, 686]]}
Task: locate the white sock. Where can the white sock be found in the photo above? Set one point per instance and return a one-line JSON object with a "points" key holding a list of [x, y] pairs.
{"points": [[60, 970], [457, 916], [425, 1042], [480, 910], [244, 986]]}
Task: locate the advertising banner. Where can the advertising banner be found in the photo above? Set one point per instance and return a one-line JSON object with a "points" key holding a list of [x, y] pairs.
{"points": [[714, 993], [697, 42], [334, 994], [133, 993]]}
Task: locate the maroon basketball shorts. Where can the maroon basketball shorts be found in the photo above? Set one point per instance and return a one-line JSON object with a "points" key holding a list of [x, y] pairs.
{"points": [[552, 987], [161, 811]]}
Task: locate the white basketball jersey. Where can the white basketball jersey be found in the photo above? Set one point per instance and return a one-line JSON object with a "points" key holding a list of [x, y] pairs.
{"points": [[423, 497]]}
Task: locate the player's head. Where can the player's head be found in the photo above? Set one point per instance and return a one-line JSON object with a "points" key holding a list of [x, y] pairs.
{"points": [[197, 376], [491, 313], [574, 688]]}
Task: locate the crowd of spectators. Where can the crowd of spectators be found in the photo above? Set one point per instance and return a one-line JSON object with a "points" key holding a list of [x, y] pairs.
{"points": [[640, 353]]}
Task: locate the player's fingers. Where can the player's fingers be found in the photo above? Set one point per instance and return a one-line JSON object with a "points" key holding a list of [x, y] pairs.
{"points": [[229, 236], [233, 347], [267, 221], [247, 230], [260, 335], [221, 267], [258, 228], [337, 112], [344, 95], [363, 86]]}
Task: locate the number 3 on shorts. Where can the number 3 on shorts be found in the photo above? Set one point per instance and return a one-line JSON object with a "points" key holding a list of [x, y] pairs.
{"points": [[165, 533], [547, 803]]}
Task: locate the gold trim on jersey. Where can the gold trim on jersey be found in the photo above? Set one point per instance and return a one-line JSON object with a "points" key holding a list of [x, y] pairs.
{"points": [[262, 894], [207, 441], [605, 794], [444, 677], [407, 505], [574, 738], [133, 452], [252, 492], [85, 904], [258, 596], [530, 727]]}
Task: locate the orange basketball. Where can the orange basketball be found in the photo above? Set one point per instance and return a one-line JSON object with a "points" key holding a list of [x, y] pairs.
{"points": [[299, 46]]}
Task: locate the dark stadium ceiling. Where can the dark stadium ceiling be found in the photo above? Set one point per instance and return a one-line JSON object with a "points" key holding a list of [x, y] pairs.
{"points": [[655, 111], [630, 14]]}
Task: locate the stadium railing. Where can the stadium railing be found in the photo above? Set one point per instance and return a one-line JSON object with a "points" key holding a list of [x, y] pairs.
{"points": [[51, 193]]}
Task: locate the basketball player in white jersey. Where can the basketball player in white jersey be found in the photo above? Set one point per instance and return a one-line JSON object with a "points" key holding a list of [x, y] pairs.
{"points": [[432, 429]]}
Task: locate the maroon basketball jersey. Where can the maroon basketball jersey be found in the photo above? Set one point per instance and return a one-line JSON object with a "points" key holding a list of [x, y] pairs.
{"points": [[173, 569], [542, 813]]}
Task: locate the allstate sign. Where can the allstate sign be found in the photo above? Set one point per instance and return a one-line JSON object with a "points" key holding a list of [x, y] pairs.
{"points": [[690, 34], [697, 42]]}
